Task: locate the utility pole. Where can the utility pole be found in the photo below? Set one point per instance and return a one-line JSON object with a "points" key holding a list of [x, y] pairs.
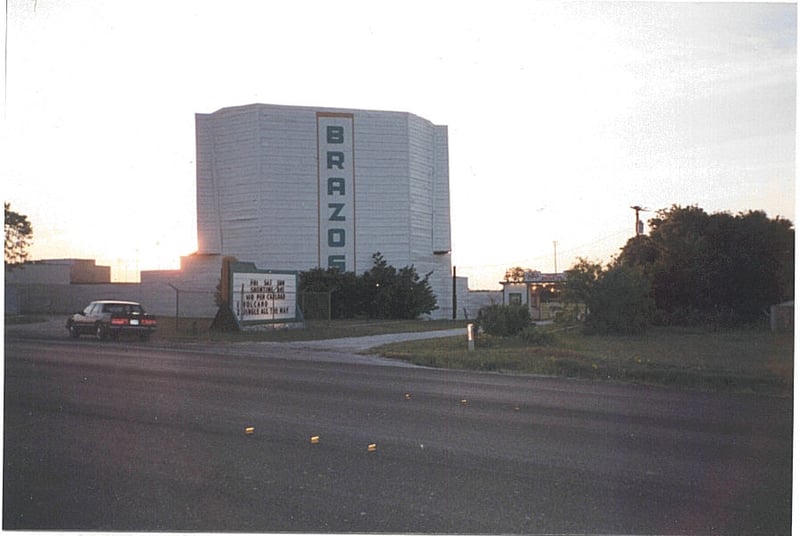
{"points": [[177, 304], [639, 229], [555, 257], [455, 294]]}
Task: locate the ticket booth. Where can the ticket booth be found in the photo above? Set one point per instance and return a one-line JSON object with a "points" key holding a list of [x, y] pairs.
{"points": [[539, 292]]}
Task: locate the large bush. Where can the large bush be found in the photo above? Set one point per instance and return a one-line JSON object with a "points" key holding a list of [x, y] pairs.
{"points": [[620, 302], [382, 292], [617, 298], [503, 320], [392, 293]]}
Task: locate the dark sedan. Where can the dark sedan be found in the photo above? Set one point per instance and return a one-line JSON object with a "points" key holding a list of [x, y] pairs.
{"points": [[110, 318]]}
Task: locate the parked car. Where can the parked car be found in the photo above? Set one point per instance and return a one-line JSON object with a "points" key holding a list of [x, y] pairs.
{"points": [[110, 318]]}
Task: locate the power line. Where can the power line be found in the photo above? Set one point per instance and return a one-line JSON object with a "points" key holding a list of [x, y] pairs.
{"points": [[543, 259]]}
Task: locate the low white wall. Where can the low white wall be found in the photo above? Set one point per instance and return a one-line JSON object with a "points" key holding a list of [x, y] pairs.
{"points": [[157, 298]]}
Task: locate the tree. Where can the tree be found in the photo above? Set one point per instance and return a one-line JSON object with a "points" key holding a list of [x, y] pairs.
{"points": [[619, 302], [379, 287], [413, 294], [581, 280], [380, 292], [617, 298], [714, 267], [515, 274], [396, 294], [345, 288], [19, 236]]}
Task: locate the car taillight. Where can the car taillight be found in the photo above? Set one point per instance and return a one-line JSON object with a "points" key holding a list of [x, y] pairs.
{"points": [[149, 322], [119, 321]]}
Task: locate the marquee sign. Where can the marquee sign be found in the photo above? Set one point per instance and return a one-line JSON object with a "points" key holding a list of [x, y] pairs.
{"points": [[262, 296], [336, 187]]}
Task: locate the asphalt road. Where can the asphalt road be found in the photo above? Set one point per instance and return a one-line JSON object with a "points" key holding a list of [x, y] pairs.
{"points": [[128, 436]]}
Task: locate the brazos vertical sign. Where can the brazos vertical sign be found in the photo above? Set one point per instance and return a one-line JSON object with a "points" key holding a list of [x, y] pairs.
{"points": [[336, 180]]}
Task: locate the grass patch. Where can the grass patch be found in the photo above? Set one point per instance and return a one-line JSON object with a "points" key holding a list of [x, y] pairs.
{"points": [[739, 360], [197, 330]]}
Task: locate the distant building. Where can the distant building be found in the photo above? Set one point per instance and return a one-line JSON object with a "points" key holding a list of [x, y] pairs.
{"points": [[67, 285], [538, 291], [59, 271]]}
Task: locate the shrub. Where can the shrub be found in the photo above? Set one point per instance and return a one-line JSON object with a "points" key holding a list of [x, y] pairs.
{"points": [[618, 301], [503, 320], [381, 292], [570, 314], [537, 337]]}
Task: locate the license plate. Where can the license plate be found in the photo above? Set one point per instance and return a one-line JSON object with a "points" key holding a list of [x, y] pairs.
{"points": [[134, 322]]}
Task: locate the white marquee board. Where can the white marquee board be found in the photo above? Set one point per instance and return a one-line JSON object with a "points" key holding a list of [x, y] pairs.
{"points": [[262, 296]]}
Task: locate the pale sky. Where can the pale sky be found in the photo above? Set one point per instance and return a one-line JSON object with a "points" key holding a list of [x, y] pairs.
{"points": [[561, 115]]}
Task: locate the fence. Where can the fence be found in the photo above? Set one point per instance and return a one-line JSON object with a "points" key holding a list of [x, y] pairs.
{"points": [[315, 305]]}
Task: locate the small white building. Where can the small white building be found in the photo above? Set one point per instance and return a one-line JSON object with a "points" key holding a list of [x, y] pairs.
{"points": [[538, 291]]}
